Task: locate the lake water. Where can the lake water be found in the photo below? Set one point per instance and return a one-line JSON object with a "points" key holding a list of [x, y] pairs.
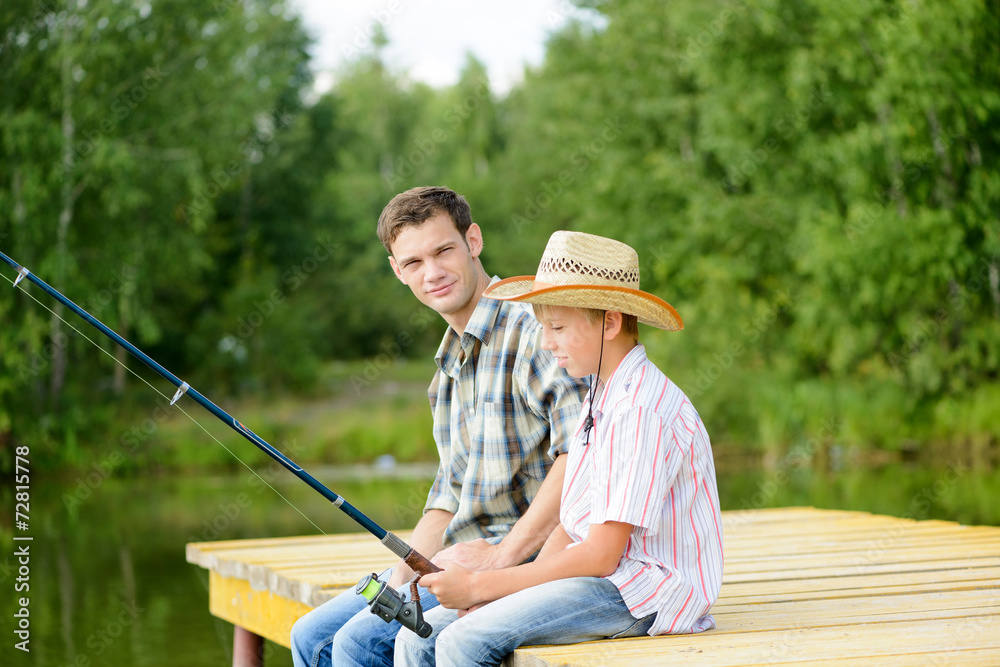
{"points": [[109, 584]]}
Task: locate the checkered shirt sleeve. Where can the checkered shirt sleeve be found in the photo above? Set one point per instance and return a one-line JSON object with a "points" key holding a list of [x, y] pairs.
{"points": [[502, 409]]}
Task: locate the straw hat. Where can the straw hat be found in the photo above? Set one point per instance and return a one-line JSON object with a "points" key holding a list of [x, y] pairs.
{"points": [[587, 271]]}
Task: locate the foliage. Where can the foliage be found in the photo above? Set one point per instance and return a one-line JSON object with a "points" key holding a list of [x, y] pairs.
{"points": [[810, 184], [126, 128]]}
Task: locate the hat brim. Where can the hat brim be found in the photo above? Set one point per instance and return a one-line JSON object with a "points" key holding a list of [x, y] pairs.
{"points": [[647, 308]]}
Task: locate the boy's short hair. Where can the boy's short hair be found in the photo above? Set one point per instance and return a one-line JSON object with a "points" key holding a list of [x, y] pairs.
{"points": [[413, 208], [630, 323]]}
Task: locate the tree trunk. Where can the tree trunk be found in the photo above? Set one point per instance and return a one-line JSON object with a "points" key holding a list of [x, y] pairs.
{"points": [[19, 212], [994, 274], [66, 198], [126, 302]]}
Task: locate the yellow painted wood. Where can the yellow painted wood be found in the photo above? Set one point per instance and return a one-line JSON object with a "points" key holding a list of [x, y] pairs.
{"points": [[801, 586], [261, 612]]}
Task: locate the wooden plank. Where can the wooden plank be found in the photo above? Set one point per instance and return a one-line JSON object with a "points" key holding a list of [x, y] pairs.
{"points": [[953, 656], [849, 582], [853, 534], [206, 554], [861, 607], [789, 547], [320, 547], [907, 561], [948, 637], [784, 551], [779, 515], [832, 616], [200, 553]]}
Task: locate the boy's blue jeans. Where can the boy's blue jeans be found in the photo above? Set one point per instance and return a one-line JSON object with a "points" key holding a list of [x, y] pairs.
{"points": [[566, 611], [345, 633]]}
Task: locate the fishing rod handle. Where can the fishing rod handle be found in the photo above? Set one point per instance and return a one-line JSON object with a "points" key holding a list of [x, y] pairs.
{"points": [[420, 564], [417, 562]]}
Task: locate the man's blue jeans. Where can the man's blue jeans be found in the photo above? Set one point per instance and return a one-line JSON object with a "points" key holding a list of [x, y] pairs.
{"points": [[344, 632], [566, 611]]}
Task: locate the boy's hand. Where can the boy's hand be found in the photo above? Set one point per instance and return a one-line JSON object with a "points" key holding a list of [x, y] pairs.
{"points": [[455, 587]]}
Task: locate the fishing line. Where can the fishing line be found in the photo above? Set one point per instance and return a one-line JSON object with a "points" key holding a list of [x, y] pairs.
{"points": [[416, 561], [164, 396]]}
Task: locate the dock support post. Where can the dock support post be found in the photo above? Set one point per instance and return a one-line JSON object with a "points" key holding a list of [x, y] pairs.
{"points": [[248, 648]]}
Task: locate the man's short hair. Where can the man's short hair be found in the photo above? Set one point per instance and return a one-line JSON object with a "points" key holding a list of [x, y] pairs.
{"points": [[413, 208], [630, 323]]}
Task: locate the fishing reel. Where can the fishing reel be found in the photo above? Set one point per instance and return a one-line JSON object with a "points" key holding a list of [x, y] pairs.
{"points": [[388, 605]]}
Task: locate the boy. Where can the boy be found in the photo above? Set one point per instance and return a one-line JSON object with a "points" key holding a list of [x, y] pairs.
{"points": [[639, 547]]}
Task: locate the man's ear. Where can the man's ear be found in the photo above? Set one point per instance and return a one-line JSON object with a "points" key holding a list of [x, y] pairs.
{"points": [[474, 239], [395, 269], [612, 324]]}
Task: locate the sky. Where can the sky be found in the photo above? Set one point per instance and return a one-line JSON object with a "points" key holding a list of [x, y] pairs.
{"points": [[430, 38]]}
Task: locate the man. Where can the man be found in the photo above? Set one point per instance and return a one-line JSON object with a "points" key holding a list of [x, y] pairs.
{"points": [[502, 410]]}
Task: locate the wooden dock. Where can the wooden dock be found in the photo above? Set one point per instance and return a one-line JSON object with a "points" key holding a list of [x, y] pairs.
{"points": [[801, 586]]}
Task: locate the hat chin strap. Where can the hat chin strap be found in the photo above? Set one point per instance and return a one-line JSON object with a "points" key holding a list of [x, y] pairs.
{"points": [[589, 422]]}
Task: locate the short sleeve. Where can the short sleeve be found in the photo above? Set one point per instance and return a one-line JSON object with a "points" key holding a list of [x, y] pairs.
{"points": [[635, 466], [440, 496]]}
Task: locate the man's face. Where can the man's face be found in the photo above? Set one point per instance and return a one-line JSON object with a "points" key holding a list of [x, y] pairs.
{"points": [[438, 265]]}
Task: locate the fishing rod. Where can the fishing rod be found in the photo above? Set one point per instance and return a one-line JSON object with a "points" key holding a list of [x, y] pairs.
{"points": [[381, 600]]}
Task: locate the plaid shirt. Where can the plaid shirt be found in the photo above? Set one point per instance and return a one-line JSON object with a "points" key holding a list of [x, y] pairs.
{"points": [[503, 410]]}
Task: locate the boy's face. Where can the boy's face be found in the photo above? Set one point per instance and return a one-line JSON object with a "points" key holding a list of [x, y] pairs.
{"points": [[438, 265], [574, 340]]}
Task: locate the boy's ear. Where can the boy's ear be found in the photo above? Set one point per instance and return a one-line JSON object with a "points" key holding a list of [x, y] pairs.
{"points": [[612, 324]]}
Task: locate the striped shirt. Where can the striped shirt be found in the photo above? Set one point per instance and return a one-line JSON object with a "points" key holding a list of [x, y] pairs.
{"points": [[503, 409], [649, 463]]}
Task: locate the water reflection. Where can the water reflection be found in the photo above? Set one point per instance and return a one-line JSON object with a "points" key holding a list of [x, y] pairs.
{"points": [[110, 586]]}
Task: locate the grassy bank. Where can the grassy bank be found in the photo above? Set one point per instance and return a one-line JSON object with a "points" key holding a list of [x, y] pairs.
{"points": [[359, 413]]}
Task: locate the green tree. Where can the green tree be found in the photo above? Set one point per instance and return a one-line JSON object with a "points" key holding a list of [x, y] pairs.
{"points": [[122, 126], [808, 183]]}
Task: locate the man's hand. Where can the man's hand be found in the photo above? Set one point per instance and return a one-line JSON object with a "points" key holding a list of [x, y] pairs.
{"points": [[425, 540], [476, 555]]}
